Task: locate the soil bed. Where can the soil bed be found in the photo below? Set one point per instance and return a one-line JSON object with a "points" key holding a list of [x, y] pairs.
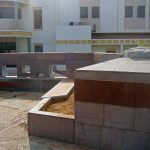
{"points": [[64, 106]]}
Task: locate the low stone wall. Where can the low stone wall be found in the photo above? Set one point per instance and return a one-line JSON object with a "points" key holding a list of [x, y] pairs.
{"points": [[40, 63], [52, 125]]}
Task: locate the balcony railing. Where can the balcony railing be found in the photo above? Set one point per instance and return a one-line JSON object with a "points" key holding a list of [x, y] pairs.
{"points": [[23, 1], [20, 1], [10, 24]]}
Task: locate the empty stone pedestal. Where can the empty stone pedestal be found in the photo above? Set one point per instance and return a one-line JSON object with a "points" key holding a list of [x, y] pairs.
{"points": [[112, 105]]}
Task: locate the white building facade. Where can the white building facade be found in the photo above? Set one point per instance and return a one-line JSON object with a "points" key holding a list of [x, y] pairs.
{"points": [[116, 25], [73, 25]]}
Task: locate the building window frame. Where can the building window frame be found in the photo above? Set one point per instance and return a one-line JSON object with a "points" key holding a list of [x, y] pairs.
{"points": [[84, 12], [127, 14], [97, 16], [38, 47], [139, 15], [40, 26], [19, 13], [7, 13]]}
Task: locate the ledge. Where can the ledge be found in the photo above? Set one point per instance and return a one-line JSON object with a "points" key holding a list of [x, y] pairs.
{"points": [[16, 33]]}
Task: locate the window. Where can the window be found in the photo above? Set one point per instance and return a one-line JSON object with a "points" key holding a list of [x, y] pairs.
{"points": [[141, 11], [19, 13], [26, 69], [7, 47], [7, 13], [128, 11], [38, 19], [9, 70], [83, 12], [38, 47], [95, 12]]}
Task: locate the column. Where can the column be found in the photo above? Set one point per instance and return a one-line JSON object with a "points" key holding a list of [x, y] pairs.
{"points": [[121, 48], [147, 6], [29, 45], [16, 14], [57, 12]]}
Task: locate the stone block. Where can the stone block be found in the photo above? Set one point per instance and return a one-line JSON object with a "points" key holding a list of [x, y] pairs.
{"points": [[142, 78], [142, 95], [105, 92], [88, 135], [112, 139], [142, 119], [136, 141], [118, 116], [89, 113], [47, 126]]}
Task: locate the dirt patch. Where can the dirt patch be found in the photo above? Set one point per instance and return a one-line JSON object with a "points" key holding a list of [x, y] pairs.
{"points": [[64, 106], [24, 126]]}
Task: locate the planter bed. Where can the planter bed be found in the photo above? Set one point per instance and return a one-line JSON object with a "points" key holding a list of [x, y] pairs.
{"points": [[63, 106], [57, 124]]}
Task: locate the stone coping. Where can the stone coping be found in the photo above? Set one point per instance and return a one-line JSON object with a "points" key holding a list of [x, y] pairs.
{"points": [[121, 69], [62, 89]]}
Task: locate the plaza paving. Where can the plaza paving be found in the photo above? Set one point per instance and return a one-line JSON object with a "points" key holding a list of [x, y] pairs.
{"points": [[14, 107]]}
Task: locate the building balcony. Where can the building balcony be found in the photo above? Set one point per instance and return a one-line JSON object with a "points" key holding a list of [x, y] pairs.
{"points": [[137, 42], [19, 1], [11, 24]]}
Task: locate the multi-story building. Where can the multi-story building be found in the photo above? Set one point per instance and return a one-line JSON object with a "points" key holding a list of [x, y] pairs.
{"points": [[116, 25], [73, 25], [27, 25], [13, 34]]}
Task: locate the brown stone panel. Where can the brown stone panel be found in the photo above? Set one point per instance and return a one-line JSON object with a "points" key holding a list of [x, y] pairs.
{"points": [[47, 126], [142, 95], [105, 92], [7, 84], [123, 93], [57, 58], [92, 91]]}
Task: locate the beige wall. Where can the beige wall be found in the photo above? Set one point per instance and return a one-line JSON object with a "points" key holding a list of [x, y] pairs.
{"points": [[22, 44], [134, 2], [7, 24], [90, 4], [135, 23]]}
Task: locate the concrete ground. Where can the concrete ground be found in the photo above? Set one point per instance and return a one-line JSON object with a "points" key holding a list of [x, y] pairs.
{"points": [[14, 107]]}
